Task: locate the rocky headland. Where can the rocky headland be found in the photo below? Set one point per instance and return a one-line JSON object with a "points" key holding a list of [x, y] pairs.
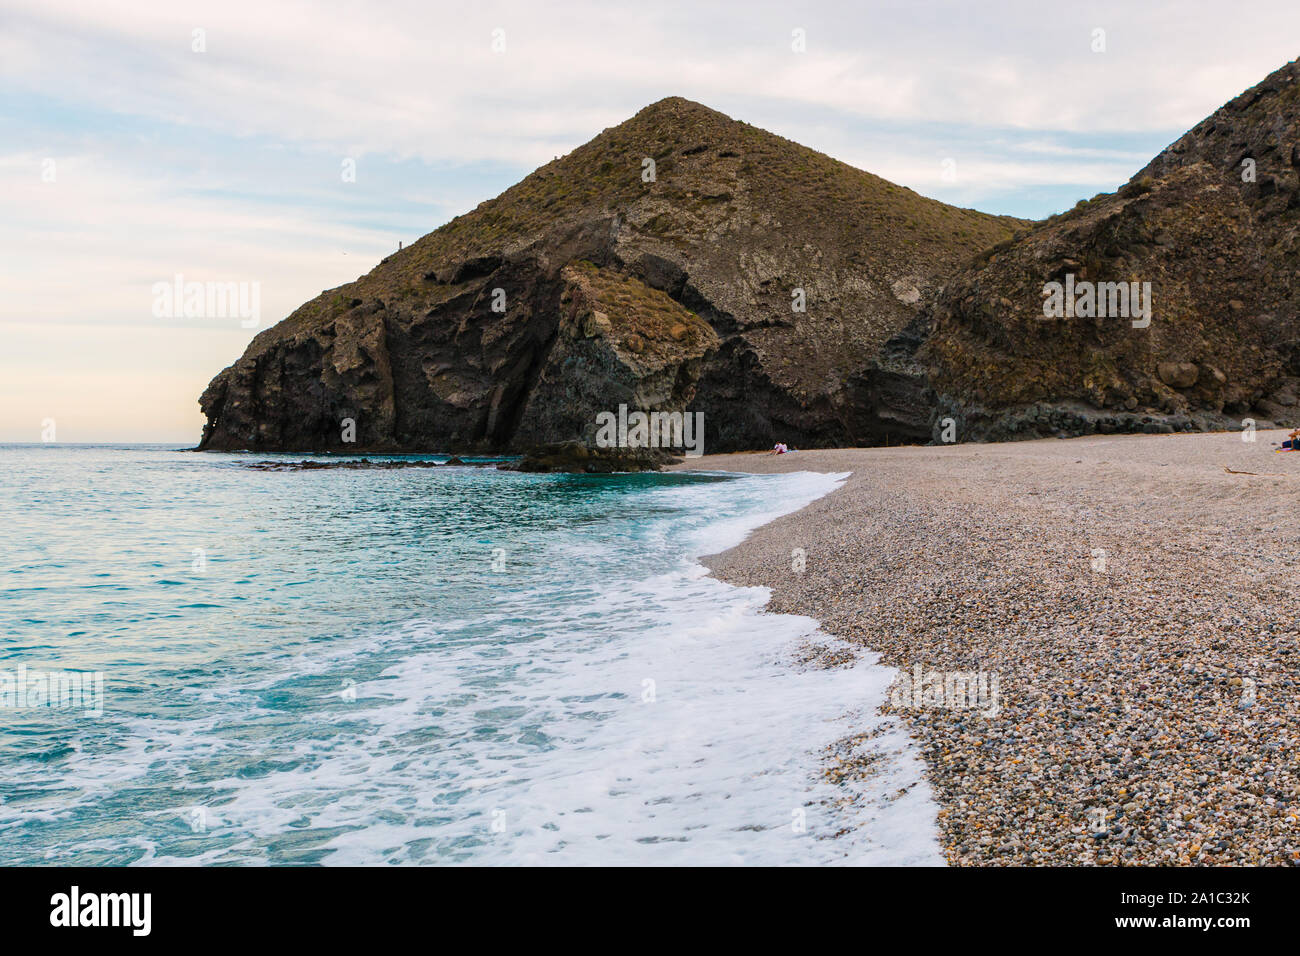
{"points": [[687, 261], [681, 260]]}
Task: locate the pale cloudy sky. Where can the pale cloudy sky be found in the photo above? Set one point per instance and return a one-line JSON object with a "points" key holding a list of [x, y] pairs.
{"points": [[126, 157]]}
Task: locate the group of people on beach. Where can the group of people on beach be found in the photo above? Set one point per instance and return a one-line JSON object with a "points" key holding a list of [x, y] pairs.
{"points": [[779, 449]]}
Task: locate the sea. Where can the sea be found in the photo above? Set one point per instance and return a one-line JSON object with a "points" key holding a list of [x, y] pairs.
{"points": [[206, 662]]}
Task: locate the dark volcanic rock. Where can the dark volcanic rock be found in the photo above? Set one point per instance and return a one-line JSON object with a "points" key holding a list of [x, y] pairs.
{"points": [[589, 285], [576, 456], [363, 464], [1213, 224], [895, 391]]}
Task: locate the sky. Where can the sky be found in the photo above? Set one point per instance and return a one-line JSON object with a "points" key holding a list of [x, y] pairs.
{"points": [[286, 147]]}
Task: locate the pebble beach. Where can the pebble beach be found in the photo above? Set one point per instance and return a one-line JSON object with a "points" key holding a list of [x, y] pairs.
{"points": [[1132, 601]]}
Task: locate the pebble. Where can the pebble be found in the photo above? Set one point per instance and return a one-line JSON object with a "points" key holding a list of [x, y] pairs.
{"points": [[1157, 686]]}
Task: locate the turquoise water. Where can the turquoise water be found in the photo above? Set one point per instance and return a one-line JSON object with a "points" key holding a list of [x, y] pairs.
{"points": [[402, 666]]}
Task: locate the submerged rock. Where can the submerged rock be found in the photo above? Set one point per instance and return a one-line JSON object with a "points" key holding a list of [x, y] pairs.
{"points": [[574, 456], [362, 464]]}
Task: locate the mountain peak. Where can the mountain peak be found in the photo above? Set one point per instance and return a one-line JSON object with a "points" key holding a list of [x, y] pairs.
{"points": [[678, 109], [678, 257], [676, 105]]}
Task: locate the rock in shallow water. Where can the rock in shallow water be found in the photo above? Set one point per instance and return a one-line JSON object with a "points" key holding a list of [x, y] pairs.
{"points": [[576, 457]]}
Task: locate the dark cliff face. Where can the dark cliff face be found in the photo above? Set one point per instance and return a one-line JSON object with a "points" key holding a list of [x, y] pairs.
{"points": [[1221, 251], [586, 286]]}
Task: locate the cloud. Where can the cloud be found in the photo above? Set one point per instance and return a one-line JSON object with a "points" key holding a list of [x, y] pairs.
{"points": [[421, 79], [225, 164], [88, 246]]}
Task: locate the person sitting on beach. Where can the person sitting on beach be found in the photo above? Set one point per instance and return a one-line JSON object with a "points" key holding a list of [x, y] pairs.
{"points": [[778, 449], [1294, 443]]}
